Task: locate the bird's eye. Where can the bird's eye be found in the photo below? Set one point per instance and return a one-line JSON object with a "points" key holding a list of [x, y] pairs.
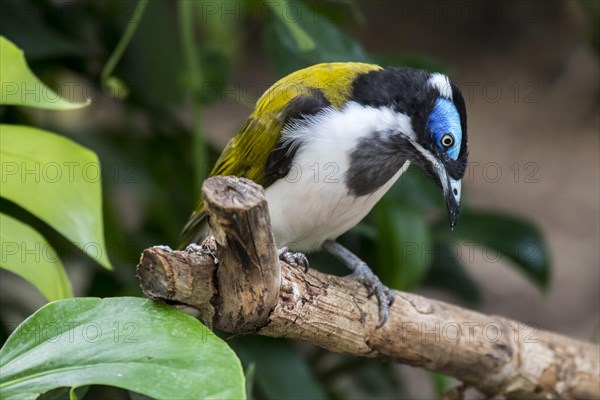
{"points": [[447, 140]]}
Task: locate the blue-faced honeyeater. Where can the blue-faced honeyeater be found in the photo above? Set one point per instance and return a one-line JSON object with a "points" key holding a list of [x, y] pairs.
{"points": [[328, 141]]}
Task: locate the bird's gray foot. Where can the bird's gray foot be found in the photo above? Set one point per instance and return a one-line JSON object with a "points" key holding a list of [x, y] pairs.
{"points": [[362, 273], [297, 260], [385, 296]]}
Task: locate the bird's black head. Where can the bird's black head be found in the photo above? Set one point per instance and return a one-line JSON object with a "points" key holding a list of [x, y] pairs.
{"points": [[438, 139]]}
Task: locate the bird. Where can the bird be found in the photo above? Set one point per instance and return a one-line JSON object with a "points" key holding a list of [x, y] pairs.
{"points": [[328, 141]]}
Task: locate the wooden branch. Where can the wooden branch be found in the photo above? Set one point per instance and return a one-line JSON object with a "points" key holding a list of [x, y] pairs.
{"points": [[238, 285], [247, 283]]}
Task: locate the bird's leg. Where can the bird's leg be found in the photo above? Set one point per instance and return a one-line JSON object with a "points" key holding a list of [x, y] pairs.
{"points": [[362, 273], [297, 260]]}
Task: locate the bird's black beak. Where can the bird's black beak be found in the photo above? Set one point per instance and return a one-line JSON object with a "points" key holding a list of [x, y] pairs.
{"points": [[452, 195], [451, 188], [435, 168]]}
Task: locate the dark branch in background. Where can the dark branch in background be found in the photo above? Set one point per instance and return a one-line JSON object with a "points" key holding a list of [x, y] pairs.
{"points": [[238, 285]]}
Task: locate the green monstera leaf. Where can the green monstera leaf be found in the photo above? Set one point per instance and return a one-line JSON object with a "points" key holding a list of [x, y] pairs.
{"points": [[20, 87], [504, 235], [58, 181], [131, 343], [26, 253]]}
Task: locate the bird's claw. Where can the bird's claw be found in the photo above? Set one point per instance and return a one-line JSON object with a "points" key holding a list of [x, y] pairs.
{"points": [[385, 296], [297, 260]]}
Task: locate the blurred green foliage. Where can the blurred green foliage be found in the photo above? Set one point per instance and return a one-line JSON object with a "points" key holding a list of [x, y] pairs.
{"points": [[83, 341], [146, 124], [53, 348]]}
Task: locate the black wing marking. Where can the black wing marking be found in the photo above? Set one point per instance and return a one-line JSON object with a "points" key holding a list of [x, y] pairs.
{"points": [[279, 162]]}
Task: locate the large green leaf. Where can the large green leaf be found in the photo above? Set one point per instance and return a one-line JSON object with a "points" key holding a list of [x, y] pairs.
{"points": [[19, 86], [26, 253], [503, 235], [290, 43], [417, 190], [58, 181], [448, 273], [302, 40], [405, 249], [279, 372], [128, 342]]}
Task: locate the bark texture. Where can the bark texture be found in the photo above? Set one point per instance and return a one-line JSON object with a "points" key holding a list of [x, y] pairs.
{"points": [[238, 284]]}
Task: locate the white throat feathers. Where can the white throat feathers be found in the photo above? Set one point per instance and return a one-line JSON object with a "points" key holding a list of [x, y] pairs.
{"points": [[314, 202]]}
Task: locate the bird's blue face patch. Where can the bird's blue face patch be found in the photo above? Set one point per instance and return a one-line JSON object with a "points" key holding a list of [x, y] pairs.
{"points": [[444, 125]]}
